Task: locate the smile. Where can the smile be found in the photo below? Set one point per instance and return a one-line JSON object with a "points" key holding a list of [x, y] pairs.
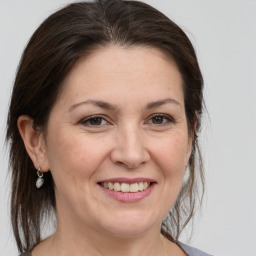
{"points": [[127, 190], [125, 187]]}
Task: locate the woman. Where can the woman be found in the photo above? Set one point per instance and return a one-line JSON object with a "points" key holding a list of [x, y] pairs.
{"points": [[103, 122]]}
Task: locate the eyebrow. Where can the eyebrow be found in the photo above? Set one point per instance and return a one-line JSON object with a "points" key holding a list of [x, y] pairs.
{"points": [[98, 103], [162, 102], [108, 106]]}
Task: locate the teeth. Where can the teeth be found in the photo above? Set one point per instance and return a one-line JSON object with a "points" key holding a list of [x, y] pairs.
{"points": [[117, 186], [141, 187], [110, 185], [134, 187], [124, 187]]}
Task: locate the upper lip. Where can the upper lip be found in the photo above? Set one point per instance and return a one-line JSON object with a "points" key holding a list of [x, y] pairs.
{"points": [[128, 180]]}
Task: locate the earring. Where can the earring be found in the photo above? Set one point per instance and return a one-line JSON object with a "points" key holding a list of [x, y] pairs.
{"points": [[40, 180]]}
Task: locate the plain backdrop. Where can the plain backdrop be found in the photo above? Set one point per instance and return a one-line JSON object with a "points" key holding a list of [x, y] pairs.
{"points": [[224, 35]]}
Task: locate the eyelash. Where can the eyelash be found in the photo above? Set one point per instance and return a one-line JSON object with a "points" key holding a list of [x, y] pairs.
{"points": [[86, 121], [168, 120]]}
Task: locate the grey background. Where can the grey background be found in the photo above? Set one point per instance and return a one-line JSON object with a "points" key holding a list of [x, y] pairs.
{"points": [[224, 35]]}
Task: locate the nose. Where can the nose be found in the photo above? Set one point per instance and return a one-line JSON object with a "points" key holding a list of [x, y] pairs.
{"points": [[129, 149]]}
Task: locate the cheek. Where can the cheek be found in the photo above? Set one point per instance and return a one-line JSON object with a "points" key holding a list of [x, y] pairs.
{"points": [[171, 156], [73, 155], [170, 160], [74, 161]]}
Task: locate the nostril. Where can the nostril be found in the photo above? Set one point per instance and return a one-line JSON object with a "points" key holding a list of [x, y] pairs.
{"points": [[119, 163], [130, 164]]}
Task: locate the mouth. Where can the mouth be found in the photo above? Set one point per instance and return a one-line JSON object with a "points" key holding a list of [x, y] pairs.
{"points": [[127, 190], [126, 187]]}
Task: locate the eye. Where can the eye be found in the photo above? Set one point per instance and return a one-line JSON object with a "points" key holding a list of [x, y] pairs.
{"points": [[160, 119], [94, 121]]}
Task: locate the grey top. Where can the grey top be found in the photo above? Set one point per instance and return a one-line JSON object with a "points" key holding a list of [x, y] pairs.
{"points": [[191, 251]]}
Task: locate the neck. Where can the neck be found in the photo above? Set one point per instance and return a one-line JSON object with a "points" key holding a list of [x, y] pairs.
{"points": [[93, 242], [69, 241], [73, 238]]}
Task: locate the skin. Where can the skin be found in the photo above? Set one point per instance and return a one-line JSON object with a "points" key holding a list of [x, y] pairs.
{"points": [[127, 140]]}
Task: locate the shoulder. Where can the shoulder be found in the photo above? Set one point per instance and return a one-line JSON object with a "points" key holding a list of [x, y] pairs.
{"points": [[191, 251]]}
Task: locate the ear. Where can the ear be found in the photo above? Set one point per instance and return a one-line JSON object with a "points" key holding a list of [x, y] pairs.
{"points": [[34, 142], [191, 138], [189, 148]]}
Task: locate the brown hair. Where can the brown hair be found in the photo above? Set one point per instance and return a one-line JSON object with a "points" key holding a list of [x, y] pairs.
{"points": [[61, 40]]}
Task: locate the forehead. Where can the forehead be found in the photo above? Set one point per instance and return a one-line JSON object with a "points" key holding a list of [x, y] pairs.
{"points": [[129, 71]]}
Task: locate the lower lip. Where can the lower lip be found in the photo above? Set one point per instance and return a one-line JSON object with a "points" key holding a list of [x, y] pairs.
{"points": [[128, 197]]}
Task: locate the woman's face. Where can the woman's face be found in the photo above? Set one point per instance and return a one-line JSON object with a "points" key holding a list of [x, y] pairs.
{"points": [[117, 141]]}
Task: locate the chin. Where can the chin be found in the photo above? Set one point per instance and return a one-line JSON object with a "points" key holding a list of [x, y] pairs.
{"points": [[131, 224]]}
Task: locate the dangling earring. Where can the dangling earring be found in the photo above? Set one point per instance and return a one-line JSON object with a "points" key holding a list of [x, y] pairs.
{"points": [[186, 174], [40, 180]]}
